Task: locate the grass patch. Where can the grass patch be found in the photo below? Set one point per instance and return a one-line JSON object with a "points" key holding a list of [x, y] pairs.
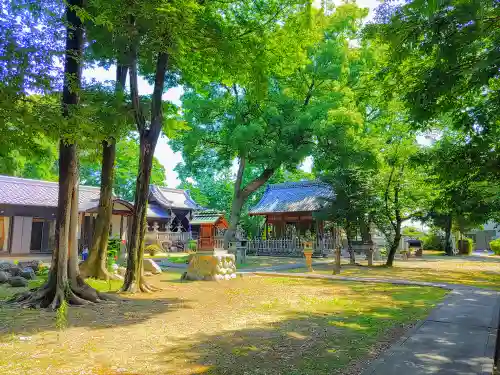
{"points": [[174, 258], [250, 325]]}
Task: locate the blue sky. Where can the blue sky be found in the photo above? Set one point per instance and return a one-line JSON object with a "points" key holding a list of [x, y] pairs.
{"points": [[164, 153]]}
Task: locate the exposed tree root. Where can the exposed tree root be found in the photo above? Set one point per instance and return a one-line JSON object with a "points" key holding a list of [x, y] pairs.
{"points": [[142, 287], [50, 295]]}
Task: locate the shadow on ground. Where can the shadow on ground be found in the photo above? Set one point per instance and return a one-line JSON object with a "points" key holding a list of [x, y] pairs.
{"points": [[301, 342], [18, 321]]}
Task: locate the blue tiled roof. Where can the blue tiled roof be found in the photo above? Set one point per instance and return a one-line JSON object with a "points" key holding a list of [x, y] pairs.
{"points": [[302, 196]]}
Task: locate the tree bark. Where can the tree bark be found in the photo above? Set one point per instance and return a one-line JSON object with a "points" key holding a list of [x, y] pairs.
{"points": [[447, 243], [134, 279], [64, 282], [241, 195], [135, 248], [395, 244], [96, 265]]}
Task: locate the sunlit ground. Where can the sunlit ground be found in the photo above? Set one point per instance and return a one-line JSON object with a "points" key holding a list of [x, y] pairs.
{"points": [[453, 270], [250, 325]]}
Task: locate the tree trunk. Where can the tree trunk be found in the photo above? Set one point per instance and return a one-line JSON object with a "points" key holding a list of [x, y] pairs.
{"points": [[236, 205], [394, 245], [241, 195], [134, 280], [133, 277], [64, 282], [96, 265], [447, 243], [352, 256]]}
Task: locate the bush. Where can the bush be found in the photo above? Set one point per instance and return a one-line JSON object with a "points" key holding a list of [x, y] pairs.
{"points": [[465, 246], [153, 249], [193, 245], [433, 242], [495, 246]]}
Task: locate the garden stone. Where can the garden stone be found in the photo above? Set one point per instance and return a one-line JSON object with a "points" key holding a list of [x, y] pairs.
{"points": [[4, 277], [14, 271], [18, 281], [28, 273], [4, 265], [150, 265], [35, 265]]}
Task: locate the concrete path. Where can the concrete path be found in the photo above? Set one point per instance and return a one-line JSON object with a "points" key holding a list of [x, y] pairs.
{"points": [[458, 337]]}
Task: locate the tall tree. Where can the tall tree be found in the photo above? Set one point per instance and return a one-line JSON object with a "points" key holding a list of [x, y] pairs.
{"points": [[95, 265], [271, 125], [64, 282]]}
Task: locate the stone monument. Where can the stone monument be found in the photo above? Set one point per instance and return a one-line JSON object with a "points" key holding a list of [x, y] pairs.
{"points": [[211, 264]]}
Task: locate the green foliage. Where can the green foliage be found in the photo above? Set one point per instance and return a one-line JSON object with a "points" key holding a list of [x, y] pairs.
{"points": [[495, 246], [127, 162], [153, 249], [412, 232], [192, 245], [114, 246], [433, 241]]}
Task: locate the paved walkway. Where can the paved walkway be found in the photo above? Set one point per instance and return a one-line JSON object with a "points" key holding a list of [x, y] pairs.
{"points": [[458, 337]]}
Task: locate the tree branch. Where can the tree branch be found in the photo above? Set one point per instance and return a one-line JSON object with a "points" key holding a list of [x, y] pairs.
{"points": [[140, 121], [386, 198], [258, 182], [156, 100]]}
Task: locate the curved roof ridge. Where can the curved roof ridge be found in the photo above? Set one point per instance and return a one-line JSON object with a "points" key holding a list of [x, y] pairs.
{"points": [[297, 184], [33, 181]]}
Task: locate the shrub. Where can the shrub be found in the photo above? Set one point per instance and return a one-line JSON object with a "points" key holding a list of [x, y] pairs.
{"points": [[192, 245], [153, 249], [433, 242], [495, 246]]}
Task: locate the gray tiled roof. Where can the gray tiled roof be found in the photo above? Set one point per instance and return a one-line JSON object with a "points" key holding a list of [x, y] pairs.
{"points": [[302, 196], [155, 211], [173, 198], [27, 192]]}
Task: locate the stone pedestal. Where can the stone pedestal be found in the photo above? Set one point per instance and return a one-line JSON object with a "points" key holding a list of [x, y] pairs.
{"points": [[211, 265], [239, 249]]}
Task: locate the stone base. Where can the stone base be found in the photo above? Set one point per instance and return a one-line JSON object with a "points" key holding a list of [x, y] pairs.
{"points": [[210, 265]]}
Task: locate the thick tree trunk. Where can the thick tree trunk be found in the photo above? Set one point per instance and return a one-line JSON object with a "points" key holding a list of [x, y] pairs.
{"points": [[394, 245], [240, 197], [64, 281], [447, 238], [96, 265]]}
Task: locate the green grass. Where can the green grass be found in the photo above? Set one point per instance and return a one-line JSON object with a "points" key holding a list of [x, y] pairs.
{"points": [[174, 258]]}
